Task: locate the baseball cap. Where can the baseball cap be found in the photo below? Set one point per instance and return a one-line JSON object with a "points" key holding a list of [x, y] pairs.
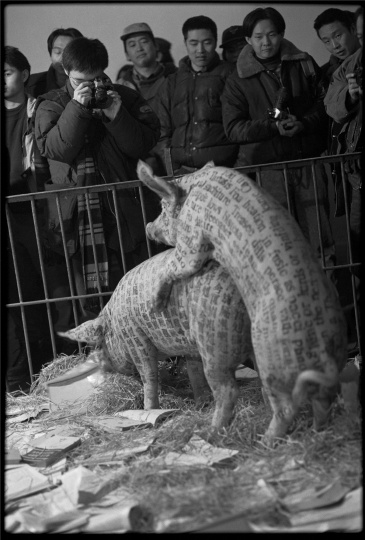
{"points": [[135, 28], [233, 33]]}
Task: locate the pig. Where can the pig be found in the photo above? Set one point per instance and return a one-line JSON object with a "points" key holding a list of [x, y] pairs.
{"points": [[205, 320], [298, 329]]}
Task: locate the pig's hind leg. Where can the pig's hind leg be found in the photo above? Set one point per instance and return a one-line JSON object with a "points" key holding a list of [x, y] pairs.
{"points": [[220, 375], [284, 413]]}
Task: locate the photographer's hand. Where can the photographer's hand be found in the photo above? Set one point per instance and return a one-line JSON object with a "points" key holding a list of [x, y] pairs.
{"points": [[290, 126], [82, 93], [355, 91], [112, 111]]}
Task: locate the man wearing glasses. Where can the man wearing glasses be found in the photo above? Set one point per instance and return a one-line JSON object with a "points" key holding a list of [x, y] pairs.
{"points": [[99, 131]]}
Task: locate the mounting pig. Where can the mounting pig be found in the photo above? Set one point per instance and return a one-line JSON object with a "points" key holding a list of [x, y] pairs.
{"points": [[205, 320], [297, 325]]}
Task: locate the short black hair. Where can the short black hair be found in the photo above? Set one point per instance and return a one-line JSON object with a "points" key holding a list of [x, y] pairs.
{"points": [[260, 14], [198, 23], [85, 55], [71, 32], [16, 59], [331, 15]]}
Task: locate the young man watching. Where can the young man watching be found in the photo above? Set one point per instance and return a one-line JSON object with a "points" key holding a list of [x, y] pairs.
{"points": [[55, 77], [189, 106], [99, 145], [336, 29], [25, 172]]}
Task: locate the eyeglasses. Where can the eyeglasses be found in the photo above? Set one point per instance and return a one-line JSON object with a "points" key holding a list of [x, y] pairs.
{"points": [[95, 80], [79, 81]]}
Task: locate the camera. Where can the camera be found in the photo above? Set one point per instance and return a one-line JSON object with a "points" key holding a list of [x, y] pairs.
{"points": [[99, 97], [358, 75], [280, 109]]}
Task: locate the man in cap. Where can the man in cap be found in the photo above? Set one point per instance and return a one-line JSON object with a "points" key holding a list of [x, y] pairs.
{"points": [[146, 74], [233, 42]]}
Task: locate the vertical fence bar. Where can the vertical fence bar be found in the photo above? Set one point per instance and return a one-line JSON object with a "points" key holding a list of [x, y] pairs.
{"points": [[67, 261], [17, 278], [144, 217], [286, 181], [319, 224], [43, 274], [94, 247], [119, 229]]}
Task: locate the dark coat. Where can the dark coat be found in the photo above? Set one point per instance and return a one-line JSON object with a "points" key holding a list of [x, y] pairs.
{"points": [[61, 125], [149, 89], [40, 83], [250, 91], [190, 112], [349, 118], [60, 132]]}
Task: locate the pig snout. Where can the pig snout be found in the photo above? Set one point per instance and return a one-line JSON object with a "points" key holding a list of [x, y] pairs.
{"points": [[162, 230], [152, 232]]}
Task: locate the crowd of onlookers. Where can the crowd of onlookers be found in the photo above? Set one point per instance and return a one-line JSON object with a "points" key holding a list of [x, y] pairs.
{"points": [[262, 101]]}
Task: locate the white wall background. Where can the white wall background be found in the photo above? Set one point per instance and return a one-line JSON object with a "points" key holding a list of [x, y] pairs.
{"points": [[28, 25]]}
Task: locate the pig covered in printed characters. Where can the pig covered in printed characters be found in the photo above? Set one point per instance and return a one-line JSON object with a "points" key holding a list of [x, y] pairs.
{"points": [[205, 320], [298, 329]]}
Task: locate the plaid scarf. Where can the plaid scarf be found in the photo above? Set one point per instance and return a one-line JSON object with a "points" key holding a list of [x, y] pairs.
{"points": [[87, 175]]}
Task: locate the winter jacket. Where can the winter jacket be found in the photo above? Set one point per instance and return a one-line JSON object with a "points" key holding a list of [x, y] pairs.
{"points": [[40, 83], [62, 126], [333, 127], [251, 90], [335, 100], [35, 167], [190, 112], [149, 87], [349, 116]]}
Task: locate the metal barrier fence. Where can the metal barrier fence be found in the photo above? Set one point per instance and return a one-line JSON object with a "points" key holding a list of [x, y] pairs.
{"points": [[345, 263]]}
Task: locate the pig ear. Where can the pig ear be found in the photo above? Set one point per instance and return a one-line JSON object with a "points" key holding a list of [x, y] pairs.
{"points": [[165, 190], [90, 332], [208, 165]]}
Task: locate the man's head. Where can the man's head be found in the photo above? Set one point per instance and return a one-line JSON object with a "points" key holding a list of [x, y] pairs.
{"points": [[16, 72], [359, 18], [264, 30], [164, 51], [200, 37], [84, 59], [336, 29], [57, 42], [233, 42], [139, 45]]}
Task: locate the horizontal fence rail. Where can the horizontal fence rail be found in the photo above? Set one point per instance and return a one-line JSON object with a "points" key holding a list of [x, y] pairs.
{"points": [[37, 203]]}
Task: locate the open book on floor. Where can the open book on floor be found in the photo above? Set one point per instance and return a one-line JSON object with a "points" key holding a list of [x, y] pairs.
{"points": [[124, 420]]}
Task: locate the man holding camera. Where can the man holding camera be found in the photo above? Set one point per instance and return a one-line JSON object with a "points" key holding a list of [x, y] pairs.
{"points": [[96, 132], [273, 107]]}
